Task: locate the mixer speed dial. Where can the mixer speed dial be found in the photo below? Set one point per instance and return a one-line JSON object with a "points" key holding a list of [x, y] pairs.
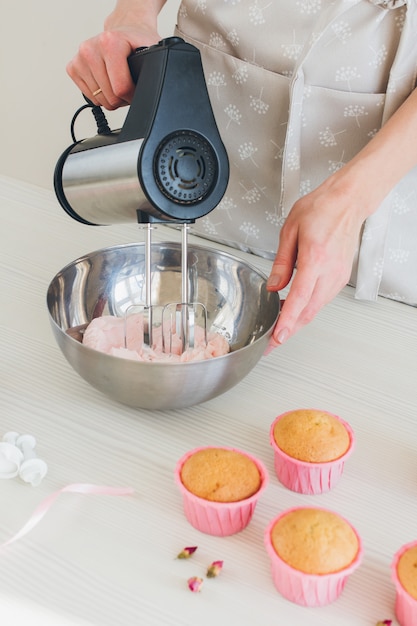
{"points": [[185, 167]]}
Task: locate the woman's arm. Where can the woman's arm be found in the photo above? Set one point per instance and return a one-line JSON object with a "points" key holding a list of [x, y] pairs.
{"points": [[100, 63], [322, 231]]}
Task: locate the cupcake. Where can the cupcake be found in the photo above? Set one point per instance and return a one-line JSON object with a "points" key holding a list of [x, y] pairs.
{"points": [[404, 573], [310, 448], [313, 551], [220, 488]]}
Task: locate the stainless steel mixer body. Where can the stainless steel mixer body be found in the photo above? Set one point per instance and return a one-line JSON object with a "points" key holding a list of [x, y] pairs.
{"points": [[167, 163]]}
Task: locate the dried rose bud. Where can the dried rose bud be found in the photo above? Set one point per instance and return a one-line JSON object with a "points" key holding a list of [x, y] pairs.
{"points": [[214, 569], [386, 622], [187, 552], [195, 583]]}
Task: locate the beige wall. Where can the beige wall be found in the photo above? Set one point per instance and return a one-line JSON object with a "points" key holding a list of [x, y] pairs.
{"points": [[38, 99]]}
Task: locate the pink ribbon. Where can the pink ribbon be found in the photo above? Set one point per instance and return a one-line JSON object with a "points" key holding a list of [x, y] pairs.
{"points": [[46, 504]]}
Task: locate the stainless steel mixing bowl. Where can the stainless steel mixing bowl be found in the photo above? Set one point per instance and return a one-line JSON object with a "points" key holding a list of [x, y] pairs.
{"points": [[107, 281]]}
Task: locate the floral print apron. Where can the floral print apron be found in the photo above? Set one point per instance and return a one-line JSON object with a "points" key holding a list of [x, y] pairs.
{"points": [[298, 87]]}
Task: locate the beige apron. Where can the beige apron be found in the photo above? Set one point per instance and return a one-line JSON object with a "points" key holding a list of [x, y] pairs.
{"points": [[298, 87]]}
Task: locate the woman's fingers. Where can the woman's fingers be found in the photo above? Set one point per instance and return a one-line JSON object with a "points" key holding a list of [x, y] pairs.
{"points": [[100, 68], [319, 238]]}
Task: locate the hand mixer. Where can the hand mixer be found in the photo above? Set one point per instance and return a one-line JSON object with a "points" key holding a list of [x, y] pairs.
{"points": [[167, 164]]}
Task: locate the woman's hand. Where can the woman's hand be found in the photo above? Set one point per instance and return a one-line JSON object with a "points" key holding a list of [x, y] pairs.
{"points": [[320, 238], [100, 68], [323, 228]]}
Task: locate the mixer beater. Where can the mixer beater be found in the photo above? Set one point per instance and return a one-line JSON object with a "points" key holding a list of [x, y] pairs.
{"points": [[179, 326]]}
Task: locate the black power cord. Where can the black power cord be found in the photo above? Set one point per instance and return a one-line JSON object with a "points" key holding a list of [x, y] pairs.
{"points": [[101, 121]]}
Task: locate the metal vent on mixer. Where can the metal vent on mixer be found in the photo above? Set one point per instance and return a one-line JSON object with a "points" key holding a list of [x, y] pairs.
{"points": [[185, 167]]}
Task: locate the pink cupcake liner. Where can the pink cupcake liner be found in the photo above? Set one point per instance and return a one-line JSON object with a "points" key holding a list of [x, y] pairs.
{"points": [[307, 589], [219, 518], [309, 478], [405, 605]]}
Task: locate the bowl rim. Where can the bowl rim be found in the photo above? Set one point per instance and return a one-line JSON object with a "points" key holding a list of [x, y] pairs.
{"points": [[175, 244]]}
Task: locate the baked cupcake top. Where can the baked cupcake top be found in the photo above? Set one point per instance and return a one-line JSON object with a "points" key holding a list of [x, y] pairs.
{"points": [[315, 541], [407, 571], [221, 475], [311, 435]]}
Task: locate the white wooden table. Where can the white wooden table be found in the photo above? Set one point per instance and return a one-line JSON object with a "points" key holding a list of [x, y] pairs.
{"points": [[110, 561]]}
